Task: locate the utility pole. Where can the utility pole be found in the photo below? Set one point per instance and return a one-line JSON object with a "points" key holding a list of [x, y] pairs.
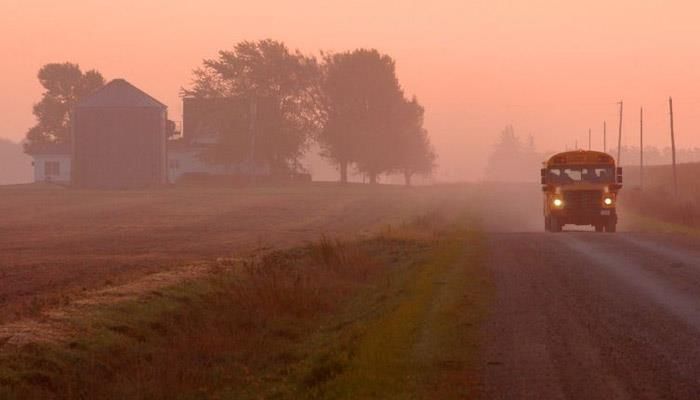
{"points": [[589, 139], [253, 118], [619, 137], [673, 149], [605, 137], [641, 148]]}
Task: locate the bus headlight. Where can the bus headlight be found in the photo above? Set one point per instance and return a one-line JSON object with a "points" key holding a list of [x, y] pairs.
{"points": [[558, 203], [608, 201]]}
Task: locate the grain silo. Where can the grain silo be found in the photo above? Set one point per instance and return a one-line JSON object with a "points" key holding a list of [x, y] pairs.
{"points": [[119, 139]]}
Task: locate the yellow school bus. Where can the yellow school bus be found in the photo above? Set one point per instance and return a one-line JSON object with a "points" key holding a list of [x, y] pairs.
{"points": [[580, 188]]}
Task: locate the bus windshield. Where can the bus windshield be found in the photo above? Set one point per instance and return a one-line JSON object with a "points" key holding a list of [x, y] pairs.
{"points": [[583, 173]]}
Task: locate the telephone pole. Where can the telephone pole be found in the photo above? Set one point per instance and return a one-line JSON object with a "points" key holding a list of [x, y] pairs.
{"points": [[252, 128], [605, 137], [673, 149], [619, 136], [641, 147]]}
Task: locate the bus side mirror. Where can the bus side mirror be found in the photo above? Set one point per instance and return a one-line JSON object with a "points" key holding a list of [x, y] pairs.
{"points": [[619, 174], [543, 176]]}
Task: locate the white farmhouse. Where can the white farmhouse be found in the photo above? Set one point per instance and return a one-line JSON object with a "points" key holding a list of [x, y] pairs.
{"points": [[184, 159], [51, 162]]}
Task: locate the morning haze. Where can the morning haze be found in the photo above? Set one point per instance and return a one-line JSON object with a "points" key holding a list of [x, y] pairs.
{"points": [[349, 200], [476, 66]]}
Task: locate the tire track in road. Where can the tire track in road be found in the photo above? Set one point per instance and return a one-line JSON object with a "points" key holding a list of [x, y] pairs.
{"points": [[626, 266], [592, 316], [684, 256]]}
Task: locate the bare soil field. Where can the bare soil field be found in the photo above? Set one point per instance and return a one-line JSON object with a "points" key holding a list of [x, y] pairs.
{"points": [[56, 243]]}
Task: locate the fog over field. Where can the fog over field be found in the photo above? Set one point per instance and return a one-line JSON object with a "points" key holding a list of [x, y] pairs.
{"points": [[325, 199], [15, 166]]}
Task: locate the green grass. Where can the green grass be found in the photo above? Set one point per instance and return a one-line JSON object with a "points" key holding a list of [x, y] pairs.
{"points": [[422, 340]]}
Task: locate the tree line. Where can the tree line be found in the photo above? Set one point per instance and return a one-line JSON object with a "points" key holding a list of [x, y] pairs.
{"points": [[350, 103], [656, 156], [514, 158]]}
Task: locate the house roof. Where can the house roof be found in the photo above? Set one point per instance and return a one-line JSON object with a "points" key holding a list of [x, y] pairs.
{"points": [[119, 93], [49, 149]]}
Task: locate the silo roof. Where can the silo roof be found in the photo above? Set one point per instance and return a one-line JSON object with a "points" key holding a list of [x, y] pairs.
{"points": [[119, 93]]}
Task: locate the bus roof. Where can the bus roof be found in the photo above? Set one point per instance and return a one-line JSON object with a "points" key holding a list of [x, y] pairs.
{"points": [[580, 157]]}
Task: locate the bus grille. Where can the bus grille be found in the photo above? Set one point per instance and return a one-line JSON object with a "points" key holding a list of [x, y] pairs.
{"points": [[583, 199]]}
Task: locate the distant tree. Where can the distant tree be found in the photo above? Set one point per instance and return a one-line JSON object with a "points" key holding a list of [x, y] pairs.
{"points": [[414, 152], [362, 95], [512, 160], [268, 72], [656, 156], [64, 85]]}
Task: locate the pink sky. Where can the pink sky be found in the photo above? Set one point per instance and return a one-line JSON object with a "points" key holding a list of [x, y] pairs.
{"points": [[551, 68]]}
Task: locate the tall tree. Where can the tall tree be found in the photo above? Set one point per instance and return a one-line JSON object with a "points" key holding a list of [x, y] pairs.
{"points": [[414, 152], [512, 160], [362, 95], [265, 73], [64, 85]]}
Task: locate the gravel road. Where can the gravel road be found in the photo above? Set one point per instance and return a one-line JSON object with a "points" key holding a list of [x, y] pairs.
{"points": [[581, 315]]}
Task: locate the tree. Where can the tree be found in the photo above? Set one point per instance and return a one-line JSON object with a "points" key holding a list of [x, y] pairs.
{"points": [[362, 95], [512, 160], [283, 85], [415, 153], [65, 84]]}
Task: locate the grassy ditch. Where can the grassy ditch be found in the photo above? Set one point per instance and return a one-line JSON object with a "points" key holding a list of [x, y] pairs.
{"points": [[394, 316], [422, 340], [646, 223], [662, 205]]}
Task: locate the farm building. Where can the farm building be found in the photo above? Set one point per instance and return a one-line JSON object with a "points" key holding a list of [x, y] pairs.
{"points": [[52, 162], [119, 139], [185, 159], [203, 122]]}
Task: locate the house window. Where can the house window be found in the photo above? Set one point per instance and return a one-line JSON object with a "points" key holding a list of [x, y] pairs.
{"points": [[52, 168]]}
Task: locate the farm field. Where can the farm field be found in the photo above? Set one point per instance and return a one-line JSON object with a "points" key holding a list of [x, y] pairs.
{"points": [[87, 273], [56, 243], [328, 291]]}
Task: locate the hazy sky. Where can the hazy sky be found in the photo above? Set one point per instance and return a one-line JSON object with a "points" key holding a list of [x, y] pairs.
{"points": [[551, 68]]}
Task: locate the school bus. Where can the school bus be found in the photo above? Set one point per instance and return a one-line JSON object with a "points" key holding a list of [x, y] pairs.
{"points": [[580, 188]]}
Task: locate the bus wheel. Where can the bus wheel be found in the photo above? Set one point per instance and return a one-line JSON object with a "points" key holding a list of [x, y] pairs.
{"points": [[599, 227], [611, 226]]}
